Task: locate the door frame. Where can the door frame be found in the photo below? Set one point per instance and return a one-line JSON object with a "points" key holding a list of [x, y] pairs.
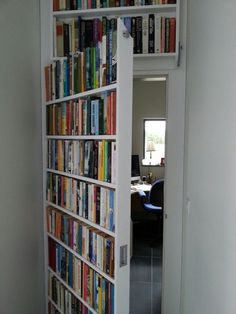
{"points": [[173, 190]]}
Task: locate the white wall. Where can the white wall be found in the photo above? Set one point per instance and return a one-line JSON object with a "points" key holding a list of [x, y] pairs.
{"points": [[149, 101], [21, 229], [209, 256]]}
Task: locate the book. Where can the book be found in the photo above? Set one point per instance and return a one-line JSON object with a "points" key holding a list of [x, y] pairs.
{"points": [[145, 32], [157, 33], [167, 33], [172, 34], [151, 34], [133, 32], [139, 42]]}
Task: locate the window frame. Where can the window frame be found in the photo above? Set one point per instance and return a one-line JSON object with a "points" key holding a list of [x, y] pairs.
{"points": [[151, 119]]}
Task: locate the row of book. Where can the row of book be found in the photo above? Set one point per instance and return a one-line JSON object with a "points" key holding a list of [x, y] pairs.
{"points": [[95, 246], [63, 298], [91, 116], [92, 41], [95, 290], [59, 5], [76, 34], [90, 158], [87, 200], [90, 47], [77, 73], [152, 33]]}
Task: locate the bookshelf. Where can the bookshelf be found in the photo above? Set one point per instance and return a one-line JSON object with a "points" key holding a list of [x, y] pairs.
{"points": [[163, 53], [86, 174]]}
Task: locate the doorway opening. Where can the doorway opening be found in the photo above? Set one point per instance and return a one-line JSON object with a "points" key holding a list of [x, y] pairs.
{"points": [[148, 143]]}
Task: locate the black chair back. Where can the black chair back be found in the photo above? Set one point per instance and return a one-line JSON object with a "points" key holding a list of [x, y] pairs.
{"points": [[156, 194]]}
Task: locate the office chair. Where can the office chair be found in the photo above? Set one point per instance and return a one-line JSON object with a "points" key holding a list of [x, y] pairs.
{"points": [[155, 202]]}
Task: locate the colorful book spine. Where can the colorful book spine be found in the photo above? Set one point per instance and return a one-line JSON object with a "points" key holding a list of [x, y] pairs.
{"points": [[69, 231], [81, 278], [66, 118], [94, 157], [83, 199], [63, 298]]}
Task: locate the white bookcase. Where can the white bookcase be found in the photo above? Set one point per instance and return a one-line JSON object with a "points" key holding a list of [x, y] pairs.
{"points": [[121, 187]]}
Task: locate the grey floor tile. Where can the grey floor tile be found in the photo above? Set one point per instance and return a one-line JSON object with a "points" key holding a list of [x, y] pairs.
{"points": [[156, 298], [140, 269], [141, 247], [157, 249], [157, 270], [145, 296], [140, 298]]}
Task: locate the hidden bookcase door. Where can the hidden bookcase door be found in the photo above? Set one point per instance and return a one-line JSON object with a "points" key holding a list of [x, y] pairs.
{"points": [[86, 117]]}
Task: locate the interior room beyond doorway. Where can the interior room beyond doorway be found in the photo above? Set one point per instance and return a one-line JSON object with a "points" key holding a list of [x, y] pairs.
{"points": [[149, 103]]}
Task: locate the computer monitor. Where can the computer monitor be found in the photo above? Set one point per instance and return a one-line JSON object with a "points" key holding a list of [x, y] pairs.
{"points": [[135, 168]]}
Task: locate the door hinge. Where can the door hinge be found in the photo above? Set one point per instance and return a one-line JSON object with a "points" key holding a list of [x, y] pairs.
{"points": [[123, 255], [180, 47]]}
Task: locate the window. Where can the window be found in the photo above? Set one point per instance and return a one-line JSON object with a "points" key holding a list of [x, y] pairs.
{"points": [[154, 142]]}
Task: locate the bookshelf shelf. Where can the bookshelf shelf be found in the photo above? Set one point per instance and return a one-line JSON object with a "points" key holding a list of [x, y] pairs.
{"points": [[72, 291], [155, 55], [110, 279], [117, 11], [97, 92], [81, 137], [85, 179], [86, 221]]}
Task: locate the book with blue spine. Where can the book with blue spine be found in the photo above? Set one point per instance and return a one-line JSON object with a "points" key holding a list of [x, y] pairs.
{"points": [[114, 50], [65, 81], [96, 116], [93, 119], [112, 310], [63, 263], [100, 117], [110, 56], [58, 260], [127, 22], [111, 211], [70, 270], [90, 240], [79, 239], [103, 296], [88, 85]]}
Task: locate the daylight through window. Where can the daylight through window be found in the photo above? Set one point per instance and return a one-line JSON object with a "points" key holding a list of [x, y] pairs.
{"points": [[154, 142]]}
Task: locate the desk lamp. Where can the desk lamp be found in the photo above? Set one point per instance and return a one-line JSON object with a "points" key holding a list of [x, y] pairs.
{"points": [[150, 148]]}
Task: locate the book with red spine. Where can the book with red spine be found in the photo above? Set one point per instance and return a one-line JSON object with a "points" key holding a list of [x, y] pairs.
{"points": [[172, 33], [56, 6]]}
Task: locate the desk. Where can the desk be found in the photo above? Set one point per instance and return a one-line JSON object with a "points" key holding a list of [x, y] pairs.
{"points": [[145, 187]]}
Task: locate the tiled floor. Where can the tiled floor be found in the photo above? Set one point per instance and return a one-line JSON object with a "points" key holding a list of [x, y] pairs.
{"points": [[145, 272]]}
